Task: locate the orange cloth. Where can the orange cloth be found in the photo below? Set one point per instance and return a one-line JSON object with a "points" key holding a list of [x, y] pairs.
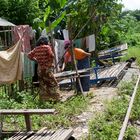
{"points": [[79, 55]]}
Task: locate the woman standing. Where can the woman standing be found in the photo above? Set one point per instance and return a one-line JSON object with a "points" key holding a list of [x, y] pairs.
{"points": [[44, 56]]}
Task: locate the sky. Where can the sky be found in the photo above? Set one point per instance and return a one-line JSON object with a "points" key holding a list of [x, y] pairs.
{"points": [[131, 4]]}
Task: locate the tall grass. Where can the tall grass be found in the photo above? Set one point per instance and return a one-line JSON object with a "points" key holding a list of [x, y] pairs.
{"points": [[133, 52], [106, 126], [65, 111]]}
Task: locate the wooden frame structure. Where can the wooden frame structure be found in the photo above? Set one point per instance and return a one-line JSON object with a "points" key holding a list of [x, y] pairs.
{"points": [[26, 113]]}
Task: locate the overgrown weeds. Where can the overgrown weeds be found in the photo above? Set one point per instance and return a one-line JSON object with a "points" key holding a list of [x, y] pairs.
{"points": [[133, 52], [63, 117], [106, 126]]}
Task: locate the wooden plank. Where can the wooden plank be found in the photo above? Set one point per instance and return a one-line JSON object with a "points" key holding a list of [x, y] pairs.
{"points": [[26, 111], [11, 138], [67, 133], [42, 134], [106, 73], [18, 136], [37, 134], [21, 135], [28, 134], [119, 48], [113, 71], [126, 119], [121, 69], [48, 135], [56, 134], [70, 73]]}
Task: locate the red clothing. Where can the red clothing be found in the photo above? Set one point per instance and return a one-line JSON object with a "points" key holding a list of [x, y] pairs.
{"points": [[18, 31], [43, 55]]}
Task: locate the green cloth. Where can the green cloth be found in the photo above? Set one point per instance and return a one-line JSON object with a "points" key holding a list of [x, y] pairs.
{"points": [[28, 66]]}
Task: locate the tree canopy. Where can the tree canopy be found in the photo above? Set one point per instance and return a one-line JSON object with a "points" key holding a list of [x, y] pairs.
{"points": [[105, 19]]}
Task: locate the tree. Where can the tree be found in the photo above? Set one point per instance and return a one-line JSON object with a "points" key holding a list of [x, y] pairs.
{"points": [[19, 12], [99, 13]]}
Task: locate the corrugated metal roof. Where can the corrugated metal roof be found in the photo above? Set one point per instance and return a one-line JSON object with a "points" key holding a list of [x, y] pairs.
{"points": [[4, 22]]}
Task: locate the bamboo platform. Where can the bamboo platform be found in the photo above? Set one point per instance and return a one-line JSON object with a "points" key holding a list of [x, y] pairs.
{"points": [[109, 73], [97, 74], [44, 134]]}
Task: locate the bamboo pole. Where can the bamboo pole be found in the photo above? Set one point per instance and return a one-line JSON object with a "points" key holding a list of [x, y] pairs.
{"points": [[78, 34], [74, 60], [72, 50], [53, 48], [124, 126]]}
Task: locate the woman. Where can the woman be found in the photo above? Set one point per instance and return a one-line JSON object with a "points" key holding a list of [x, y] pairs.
{"points": [[82, 58], [44, 56]]}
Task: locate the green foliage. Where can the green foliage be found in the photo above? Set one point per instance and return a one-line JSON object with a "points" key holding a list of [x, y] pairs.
{"points": [[130, 133], [56, 22], [135, 13], [64, 116], [102, 129], [116, 109], [19, 12], [106, 126], [97, 11], [126, 88], [52, 14], [135, 110], [133, 52], [67, 111]]}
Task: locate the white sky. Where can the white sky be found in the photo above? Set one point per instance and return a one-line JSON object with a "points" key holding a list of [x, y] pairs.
{"points": [[131, 4]]}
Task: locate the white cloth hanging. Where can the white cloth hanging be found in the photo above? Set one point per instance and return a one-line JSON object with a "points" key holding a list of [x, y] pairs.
{"points": [[11, 64], [90, 43]]}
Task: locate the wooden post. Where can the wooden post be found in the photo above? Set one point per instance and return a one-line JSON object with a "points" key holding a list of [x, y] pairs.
{"points": [[76, 69], [74, 61], [53, 47], [28, 122], [1, 125]]}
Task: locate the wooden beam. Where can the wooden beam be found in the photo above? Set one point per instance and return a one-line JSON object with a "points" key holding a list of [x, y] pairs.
{"points": [[26, 111], [124, 126]]}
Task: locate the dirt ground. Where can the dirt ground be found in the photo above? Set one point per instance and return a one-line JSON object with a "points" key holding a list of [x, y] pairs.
{"points": [[97, 103]]}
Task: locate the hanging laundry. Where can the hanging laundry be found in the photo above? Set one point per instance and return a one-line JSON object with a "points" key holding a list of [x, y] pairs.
{"points": [[78, 43], [24, 32], [60, 46], [66, 34], [11, 64], [28, 66], [90, 43]]}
